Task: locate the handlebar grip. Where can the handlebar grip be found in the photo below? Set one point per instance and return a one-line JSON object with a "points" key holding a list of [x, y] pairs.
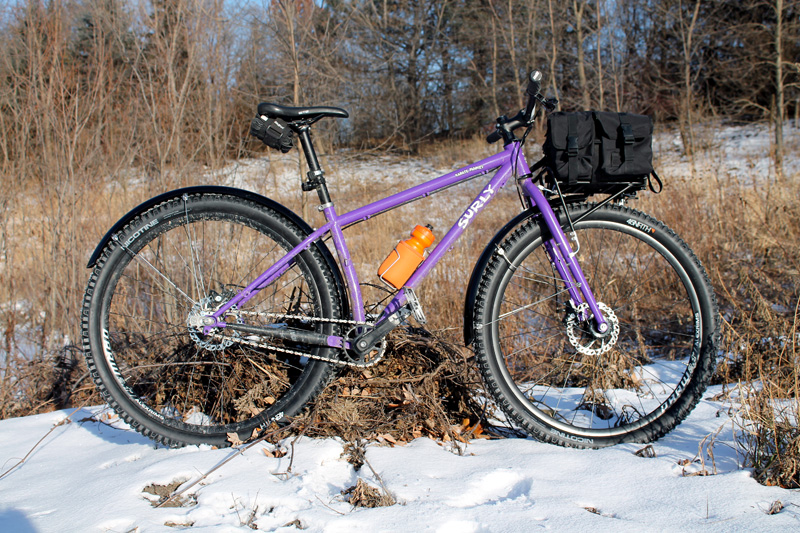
{"points": [[534, 84], [493, 137]]}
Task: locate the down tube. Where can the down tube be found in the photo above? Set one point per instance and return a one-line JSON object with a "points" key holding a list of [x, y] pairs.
{"points": [[486, 195]]}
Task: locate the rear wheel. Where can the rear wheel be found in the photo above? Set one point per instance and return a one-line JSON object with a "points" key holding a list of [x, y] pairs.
{"points": [[179, 261], [563, 382]]}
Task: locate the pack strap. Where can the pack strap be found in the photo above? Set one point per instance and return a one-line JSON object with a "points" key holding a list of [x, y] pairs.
{"points": [[627, 135], [572, 149], [650, 182]]}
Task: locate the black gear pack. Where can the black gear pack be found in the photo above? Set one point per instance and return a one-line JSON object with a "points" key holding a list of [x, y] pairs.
{"points": [[273, 132], [590, 149]]}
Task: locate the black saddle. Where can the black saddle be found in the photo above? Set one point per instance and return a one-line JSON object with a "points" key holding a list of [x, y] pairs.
{"points": [[291, 114]]}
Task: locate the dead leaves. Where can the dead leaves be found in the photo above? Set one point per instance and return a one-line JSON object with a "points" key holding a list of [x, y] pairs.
{"points": [[693, 467], [236, 440], [457, 432], [775, 508], [277, 453], [165, 496], [426, 389], [387, 438], [362, 494], [648, 452]]}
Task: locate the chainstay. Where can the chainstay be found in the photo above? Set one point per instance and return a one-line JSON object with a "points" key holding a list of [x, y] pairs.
{"points": [[306, 318], [267, 346]]}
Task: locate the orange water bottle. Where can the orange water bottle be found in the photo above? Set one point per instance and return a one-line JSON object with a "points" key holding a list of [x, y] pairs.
{"points": [[406, 257]]}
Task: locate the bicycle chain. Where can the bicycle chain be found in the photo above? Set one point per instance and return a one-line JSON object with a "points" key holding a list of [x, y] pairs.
{"points": [[263, 345]]}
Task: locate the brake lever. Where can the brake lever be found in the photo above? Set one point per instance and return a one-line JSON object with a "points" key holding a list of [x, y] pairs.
{"points": [[548, 103]]}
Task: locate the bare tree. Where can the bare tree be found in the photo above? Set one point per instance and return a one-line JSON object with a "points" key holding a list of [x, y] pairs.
{"points": [[166, 72], [506, 24], [578, 10], [553, 47], [599, 56], [779, 84], [689, 44]]}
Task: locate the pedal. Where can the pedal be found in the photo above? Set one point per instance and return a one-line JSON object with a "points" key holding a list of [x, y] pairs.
{"points": [[414, 305]]}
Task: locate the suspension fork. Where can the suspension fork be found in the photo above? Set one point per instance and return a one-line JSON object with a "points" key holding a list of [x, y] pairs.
{"points": [[564, 259]]}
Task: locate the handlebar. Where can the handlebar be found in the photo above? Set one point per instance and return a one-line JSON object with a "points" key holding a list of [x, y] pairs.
{"points": [[493, 137], [505, 126]]}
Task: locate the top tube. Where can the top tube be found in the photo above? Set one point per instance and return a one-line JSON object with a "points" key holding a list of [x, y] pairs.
{"points": [[423, 190], [513, 162]]}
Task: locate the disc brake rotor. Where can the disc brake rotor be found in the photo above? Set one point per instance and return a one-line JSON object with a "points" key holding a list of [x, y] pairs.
{"points": [[589, 342], [195, 324]]}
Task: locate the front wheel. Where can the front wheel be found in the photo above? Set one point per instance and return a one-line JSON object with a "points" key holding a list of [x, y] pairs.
{"points": [[564, 383]]}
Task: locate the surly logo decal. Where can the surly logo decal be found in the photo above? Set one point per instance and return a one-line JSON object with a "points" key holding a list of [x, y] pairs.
{"points": [[641, 225], [476, 206]]}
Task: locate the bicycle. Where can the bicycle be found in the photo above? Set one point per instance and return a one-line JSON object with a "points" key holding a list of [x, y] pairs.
{"points": [[213, 311]]}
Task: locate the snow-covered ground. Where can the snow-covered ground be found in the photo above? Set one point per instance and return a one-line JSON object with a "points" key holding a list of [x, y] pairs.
{"points": [[723, 151], [90, 474], [726, 153]]}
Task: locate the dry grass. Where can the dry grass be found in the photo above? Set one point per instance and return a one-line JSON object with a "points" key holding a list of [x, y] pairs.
{"points": [[770, 436], [748, 238], [362, 494]]}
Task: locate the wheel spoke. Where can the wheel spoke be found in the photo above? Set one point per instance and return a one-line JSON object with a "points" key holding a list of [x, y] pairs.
{"points": [[571, 380]]}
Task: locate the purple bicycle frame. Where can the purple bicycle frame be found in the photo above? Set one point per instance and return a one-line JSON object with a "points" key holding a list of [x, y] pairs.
{"points": [[506, 163]]}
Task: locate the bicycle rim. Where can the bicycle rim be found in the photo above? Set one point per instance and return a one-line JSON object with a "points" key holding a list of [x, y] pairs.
{"points": [[567, 379], [168, 376]]}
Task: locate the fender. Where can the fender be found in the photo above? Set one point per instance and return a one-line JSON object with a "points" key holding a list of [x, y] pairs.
{"points": [[240, 193], [480, 266]]}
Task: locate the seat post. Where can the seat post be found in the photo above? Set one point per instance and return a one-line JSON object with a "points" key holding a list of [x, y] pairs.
{"points": [[316, 177]]}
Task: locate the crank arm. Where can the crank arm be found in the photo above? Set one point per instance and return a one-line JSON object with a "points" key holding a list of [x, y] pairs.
{"points": [[364, 343]]}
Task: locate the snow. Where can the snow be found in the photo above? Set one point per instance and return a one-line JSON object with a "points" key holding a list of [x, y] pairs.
{"points": [[726, 152], [89, 473]]}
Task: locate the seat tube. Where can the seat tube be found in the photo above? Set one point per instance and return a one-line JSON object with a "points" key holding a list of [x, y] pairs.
{"points": [[350, 274], [315, 176], [562, 256], [316, 180]]}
